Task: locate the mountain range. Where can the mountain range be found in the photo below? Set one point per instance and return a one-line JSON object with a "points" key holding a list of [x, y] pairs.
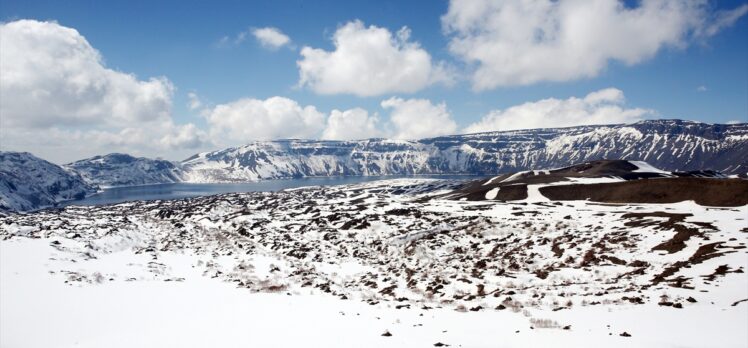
{"points": [[117, 169], [672, 145], [28, 182], [667, 144]]}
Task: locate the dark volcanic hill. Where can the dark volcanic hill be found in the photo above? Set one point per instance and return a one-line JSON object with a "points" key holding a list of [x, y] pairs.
{"points": [[610, 181]]}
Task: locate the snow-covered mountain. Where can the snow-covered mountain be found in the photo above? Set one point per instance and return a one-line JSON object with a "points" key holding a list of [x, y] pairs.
{"points": [[667, 144], [116, 169], [671, 145], [298, 158], [28, 182]]}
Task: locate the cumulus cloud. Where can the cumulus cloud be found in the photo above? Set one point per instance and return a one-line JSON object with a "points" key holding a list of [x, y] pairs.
{"points": [[158, 137], [418, 118], [605, 106], [52, 76], [186, 136], [250, 119], [256, 119], [524, 42], [369, 61], [55, 89], [270, 37], [351, 124], [62, 145]]}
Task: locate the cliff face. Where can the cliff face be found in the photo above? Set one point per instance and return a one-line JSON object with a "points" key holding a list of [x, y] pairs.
{"points": [[667, 144]]}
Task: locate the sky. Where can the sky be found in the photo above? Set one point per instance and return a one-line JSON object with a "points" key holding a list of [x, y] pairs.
{"points": [[172, 78]]}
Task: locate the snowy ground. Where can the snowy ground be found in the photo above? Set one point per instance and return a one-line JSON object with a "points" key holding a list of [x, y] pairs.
{"points": [[338, 267]]}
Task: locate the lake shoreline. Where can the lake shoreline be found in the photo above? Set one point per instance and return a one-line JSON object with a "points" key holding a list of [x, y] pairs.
{"points": [[180, 190]]}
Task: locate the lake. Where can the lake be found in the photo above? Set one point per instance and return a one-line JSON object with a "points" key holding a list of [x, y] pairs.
{"points": [[184, 190]]}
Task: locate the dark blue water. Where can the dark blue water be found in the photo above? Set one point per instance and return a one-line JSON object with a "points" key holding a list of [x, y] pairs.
{"points": [[183, 190]]}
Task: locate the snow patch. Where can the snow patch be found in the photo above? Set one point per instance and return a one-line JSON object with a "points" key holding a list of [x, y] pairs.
{"points": [[492, 193]]}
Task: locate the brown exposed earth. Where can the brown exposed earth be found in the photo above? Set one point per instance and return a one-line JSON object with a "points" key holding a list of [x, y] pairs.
{"points": [[704, 191], [706, 188], [475, 191]]}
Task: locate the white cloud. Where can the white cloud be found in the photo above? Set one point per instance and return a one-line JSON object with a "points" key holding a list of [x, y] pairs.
{"points": [[418, 118], [723, 19], [351, 124], [254, 119], [62, 145], [223, 41], [57, 91], [605, 106], [153, 140], [524, 42], [194, 102], [250, 119], [701, 88], [369, 61], [52, 76], [186, 136], [270, 37]]}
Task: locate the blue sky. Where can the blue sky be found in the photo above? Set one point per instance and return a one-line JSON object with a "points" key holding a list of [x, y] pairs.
{"points": [[704, 77]]}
